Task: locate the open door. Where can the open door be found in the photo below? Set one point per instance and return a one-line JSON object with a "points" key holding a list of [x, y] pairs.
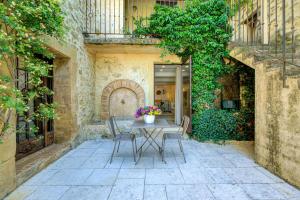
{"points": [[172, 91]]}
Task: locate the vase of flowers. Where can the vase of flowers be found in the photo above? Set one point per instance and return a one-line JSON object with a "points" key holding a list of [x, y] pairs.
{"points": [[149, 113], [149, 119]]}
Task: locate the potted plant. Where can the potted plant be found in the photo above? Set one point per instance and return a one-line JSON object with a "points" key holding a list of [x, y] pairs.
{"points": [[149, 113]]}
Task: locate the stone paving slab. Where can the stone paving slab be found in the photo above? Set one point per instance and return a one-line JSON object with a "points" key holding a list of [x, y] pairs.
{"points": [[212, 172], [86, 193]]}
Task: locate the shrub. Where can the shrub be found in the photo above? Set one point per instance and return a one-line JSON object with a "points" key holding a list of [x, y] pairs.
{"points": [[245, 124], [216, 125]]}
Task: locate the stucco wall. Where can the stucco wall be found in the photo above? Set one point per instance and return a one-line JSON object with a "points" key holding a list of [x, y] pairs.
{"points": [[277, 134], [132, 66]]}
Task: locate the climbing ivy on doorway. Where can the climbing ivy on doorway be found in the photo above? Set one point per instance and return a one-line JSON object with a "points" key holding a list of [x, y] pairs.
{"points": [[22, 24], [200, 30]]}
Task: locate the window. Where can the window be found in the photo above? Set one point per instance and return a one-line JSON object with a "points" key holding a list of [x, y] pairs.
{"points": [[27, 141]]}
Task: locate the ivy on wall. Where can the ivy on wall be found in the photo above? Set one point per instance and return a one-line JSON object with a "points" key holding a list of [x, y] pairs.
{"points": [[200, 30], [22, 24]]}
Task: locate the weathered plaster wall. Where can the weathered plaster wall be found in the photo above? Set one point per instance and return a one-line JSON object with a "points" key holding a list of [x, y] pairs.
{"points": [[277, 117], [7, 149], [132, 66]]}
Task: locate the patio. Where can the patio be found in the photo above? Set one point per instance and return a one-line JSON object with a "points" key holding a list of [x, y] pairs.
{"points": [[212, 172]]}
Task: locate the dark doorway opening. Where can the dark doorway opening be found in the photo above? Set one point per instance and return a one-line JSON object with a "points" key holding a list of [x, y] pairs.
{"points": [[238, 95]]}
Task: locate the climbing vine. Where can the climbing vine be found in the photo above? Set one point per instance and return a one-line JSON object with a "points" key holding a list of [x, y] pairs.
{"points": [[200, 30], [22, 25]]}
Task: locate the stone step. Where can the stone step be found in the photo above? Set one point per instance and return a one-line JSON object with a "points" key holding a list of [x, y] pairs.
{"points": [[279, 55], [272, 49], [273, 63]]}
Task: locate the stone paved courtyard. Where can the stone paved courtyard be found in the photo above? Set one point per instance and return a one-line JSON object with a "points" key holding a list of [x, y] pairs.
{"points": [[212, 172]]}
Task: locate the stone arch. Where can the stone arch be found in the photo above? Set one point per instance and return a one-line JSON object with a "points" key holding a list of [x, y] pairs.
{"points": [[118, 84]]}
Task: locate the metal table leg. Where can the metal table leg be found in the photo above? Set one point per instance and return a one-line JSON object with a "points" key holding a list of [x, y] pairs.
{"points": [[151, 140]]}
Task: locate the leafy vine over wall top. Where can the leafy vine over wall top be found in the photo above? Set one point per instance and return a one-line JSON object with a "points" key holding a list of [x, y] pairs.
{"points": [[22, 23], [200, 30]]}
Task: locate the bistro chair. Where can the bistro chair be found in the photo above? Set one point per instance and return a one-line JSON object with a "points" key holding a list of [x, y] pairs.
{"points": [[119, 136], [182, 129], [123, 127]]}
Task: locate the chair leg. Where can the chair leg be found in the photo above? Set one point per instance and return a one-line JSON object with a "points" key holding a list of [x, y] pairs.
{"points": [[133, 150], [135, 146], [163, 149], [118, 147], [112, 155], [180, 145], [181, 149]]}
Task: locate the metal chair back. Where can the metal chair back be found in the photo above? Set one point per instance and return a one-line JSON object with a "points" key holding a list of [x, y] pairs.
{"points": [[112, 126], [185, 124], [123, 128]]}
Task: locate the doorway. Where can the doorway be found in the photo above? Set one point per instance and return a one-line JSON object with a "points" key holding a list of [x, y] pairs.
{"points": [[172, 91]]}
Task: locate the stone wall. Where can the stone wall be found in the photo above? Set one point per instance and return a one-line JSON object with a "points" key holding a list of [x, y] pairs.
{"points": [[131, 66], [277, 117], [74, 21], [74, 88], [8, 145], [7, 161]]}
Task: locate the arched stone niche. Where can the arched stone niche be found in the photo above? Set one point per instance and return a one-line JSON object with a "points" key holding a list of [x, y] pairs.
{"points": [[124, 95]]}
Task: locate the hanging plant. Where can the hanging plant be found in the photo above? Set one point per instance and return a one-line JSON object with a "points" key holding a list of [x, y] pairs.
{"points": [[200, 30]]}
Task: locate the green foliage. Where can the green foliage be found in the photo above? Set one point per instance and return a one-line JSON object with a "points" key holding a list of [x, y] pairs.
{"points": [[22, 24], [200, 30], [246, 114], [216, 125], [221, 125], [10, 97], [245, 123]]}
